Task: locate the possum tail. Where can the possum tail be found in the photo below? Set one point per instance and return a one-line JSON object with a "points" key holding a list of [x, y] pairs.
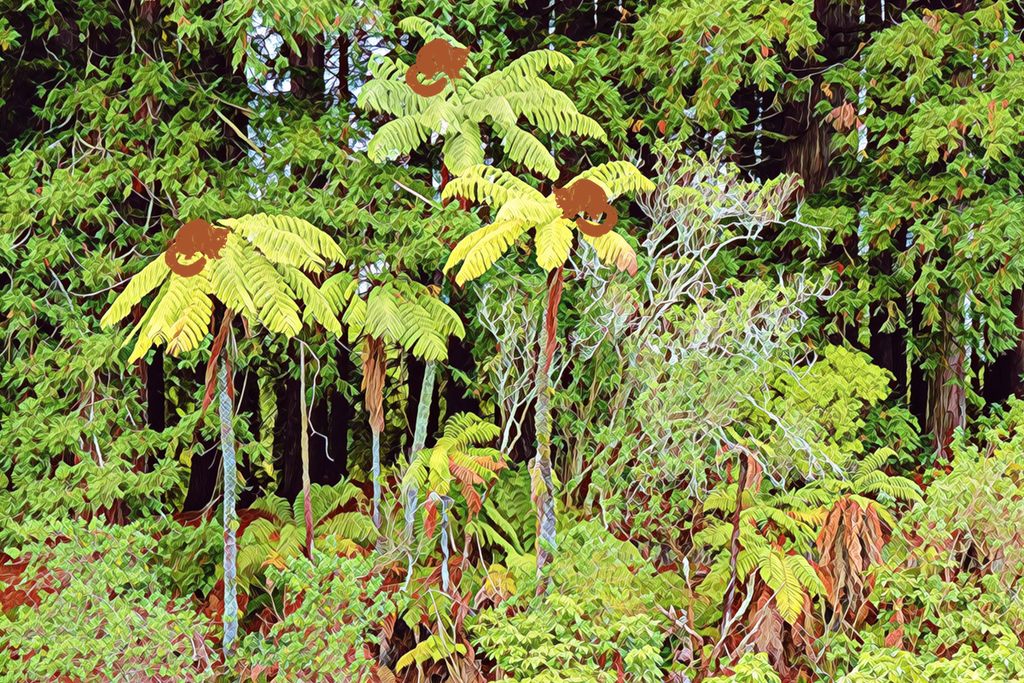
{"points": [[598, 230], [170, 256], [420, 88]]}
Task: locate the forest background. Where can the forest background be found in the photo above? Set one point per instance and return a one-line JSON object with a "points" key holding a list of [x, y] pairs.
{"points": [[768, 429]]}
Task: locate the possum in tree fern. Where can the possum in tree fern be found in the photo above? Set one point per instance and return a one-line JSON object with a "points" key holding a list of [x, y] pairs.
{"points": [[195, 237], [586, 196], [436, 57]]}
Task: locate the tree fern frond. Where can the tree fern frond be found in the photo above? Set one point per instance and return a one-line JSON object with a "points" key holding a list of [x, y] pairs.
{"points": [[553, 240], [275, 505], [535, 61], [496, 109], [193, 322], [384, 320], [620, 177], [272, 296], [484, 246], [317, 307], [280, 245], [397, 137], [144, 282], [523, 148], [612, 248], [228, 280], [388, 92], [464, 150], [426, 30], [530, 209]]}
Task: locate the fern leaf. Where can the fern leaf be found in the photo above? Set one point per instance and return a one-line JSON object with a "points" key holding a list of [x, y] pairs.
{"points": [[144, 282], [396, 138], [484, 246], [553, 240], [612, 248], [525, 149]]}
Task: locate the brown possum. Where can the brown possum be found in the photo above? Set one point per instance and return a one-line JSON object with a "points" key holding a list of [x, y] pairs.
{"points": [[586, 196], [436, 57], [195, 237]]}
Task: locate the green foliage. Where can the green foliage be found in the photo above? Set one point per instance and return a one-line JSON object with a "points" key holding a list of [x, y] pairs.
{"points": [[521, 208], [602, 614], [102, 584], [752, 668], [977, 507], [332, 607], [258, 275], [276, 541], [500, 99]]}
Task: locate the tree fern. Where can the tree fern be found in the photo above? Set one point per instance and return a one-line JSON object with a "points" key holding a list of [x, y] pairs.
{"points": [[521, 208], [259, 275], [500, 98]]}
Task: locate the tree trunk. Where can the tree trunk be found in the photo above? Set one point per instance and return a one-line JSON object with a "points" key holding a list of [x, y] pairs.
{"points": [[459, 358], [1003, 376], [540, 476], [374, 371], [342, 413], [414, 408], [288, 439], [155, 402], [418, 442], [307, 505], [227, 441], [946, 391], [202, 478]]}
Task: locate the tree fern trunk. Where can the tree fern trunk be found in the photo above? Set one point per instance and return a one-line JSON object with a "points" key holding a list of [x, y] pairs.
{"points": [[543, 487], [307, 505], [418, 441], [227, 442], [947, 391], [374, 369], [543, 493], [376, 478]]}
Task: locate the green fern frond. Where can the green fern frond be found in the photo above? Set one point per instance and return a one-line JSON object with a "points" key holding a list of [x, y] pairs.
{"points": [[485, 246], [317, 307], [554, 241], [228, 281], [426, 30], [621, 177], [523, 148], [612, 249], [536, 61], [397, 137], [464, 150], [144, 282], [275, 505], [279, 244], [497, 109]]}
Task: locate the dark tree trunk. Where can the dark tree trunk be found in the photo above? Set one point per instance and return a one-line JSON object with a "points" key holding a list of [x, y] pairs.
{"points": [[156, 407], [525, 447], [460, 358], [287, 439], [1003, 376], [889, 349], [946, 390], [918, 378], [247, 402], [322, 470], [342, 414], [205, 467]]}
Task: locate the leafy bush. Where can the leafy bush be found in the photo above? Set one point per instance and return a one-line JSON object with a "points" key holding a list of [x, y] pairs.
{"points": [[329, 611], [98, 608], [600, 621]]}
